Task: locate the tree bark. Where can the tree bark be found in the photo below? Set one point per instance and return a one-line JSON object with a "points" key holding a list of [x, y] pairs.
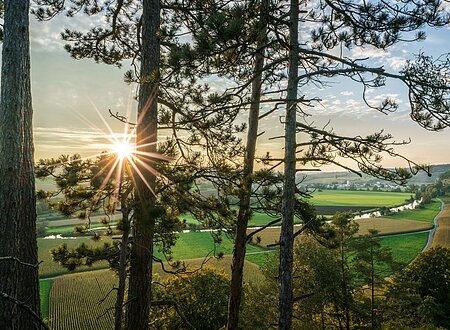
{"points": [[17, 189], [122, 263], [239, 250], [287, 225], [139, 294]]}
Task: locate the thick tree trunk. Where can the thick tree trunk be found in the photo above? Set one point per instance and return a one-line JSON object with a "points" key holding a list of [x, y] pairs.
{"points": [[17, 190], [287, 225], [237, 266], [139, 294]]}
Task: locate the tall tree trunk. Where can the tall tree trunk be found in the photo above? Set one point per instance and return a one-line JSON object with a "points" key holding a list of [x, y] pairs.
{"points": [[239, 250], [344, 286], [287, 225], [17, 190], [122, 262], [372, 286], [139, 293]]}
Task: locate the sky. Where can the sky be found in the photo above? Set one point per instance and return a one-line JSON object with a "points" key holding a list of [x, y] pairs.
{"points": [[70, 97]]}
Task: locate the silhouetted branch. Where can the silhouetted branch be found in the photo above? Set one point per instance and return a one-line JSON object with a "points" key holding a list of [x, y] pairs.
{"points": [[25, 307], [249, 236]]}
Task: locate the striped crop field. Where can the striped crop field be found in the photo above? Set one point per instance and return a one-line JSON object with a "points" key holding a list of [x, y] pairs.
{"points": [[75, 301], [388, 226], [76, 295]]}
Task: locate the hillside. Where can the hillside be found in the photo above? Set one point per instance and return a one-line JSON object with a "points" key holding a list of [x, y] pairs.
{"points": [[341, 177]]}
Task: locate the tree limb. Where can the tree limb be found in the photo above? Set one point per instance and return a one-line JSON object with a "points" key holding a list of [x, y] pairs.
{"points": [[26, 308]]}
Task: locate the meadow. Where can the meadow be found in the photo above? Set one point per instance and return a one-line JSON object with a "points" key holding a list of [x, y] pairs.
{"points": [[425, 214], [326, 202], [45, 287], [49, 268], [87, 293], [199, 244], [358, 198], [189, 245], [62, 298], [406, 246]]}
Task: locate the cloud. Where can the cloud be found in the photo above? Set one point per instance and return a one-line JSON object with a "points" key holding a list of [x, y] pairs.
{"points": [[368, 52], [396, 62], [347, 93]]}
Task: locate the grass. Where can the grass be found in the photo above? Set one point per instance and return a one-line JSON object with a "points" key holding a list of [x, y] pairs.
{"points": [[260, 259], [359, 198], [331, 200], [385, 226], [199, 244], [258, 219], [425, 214], [49, 268], [188, 246], [405, 247], [442, 235], [44, 288]]}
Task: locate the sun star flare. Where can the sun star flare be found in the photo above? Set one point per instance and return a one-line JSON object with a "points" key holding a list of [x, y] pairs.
{"points": [[123, 149]]}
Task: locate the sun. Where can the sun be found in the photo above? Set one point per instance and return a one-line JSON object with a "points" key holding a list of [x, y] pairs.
{"points": [[123, 149]]}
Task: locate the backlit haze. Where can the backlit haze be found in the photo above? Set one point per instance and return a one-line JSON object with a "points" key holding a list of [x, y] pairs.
{"points": [[70, 97]]}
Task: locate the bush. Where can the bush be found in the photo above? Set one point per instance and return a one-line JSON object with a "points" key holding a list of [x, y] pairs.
{"points": [[201, 296]]}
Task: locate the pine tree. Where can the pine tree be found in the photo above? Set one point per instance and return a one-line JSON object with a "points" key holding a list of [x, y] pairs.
{"points": [[19, 284]]}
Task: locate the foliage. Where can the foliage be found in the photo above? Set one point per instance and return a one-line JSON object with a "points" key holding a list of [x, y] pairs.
{"points": [[372, 262], [329, 280], [202, 297], [188, 246], [209, 117], [420, 294]]}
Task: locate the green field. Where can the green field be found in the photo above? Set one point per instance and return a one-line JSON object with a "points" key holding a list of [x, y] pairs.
{"points": [[425, 214], [199, 244], [359, 198], [44, 288], [49, 268], [405, 247], [329, 199], [188, 246]]}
